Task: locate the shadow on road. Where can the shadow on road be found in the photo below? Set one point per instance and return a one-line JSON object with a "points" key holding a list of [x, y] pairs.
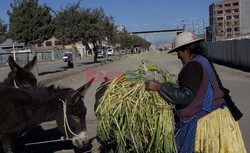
{"points": [[50, 72], [88, 63], [245, 69], [65, 68]]}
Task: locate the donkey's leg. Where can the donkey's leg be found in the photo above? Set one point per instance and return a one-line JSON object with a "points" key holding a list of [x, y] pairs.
{"points": [[8, 148], [8, 143]]}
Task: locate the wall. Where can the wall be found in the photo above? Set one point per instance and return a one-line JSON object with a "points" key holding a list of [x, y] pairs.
{"points": [[245, 16], [234, 53]]}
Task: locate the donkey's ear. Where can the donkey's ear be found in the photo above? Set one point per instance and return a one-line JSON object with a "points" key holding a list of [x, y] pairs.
{"points": [[82, 90], [29, 66], [106, 79], [13, 65]]}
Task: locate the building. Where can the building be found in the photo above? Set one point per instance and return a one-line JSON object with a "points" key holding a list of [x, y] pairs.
{"points": [[9, 45], [229, 19], [48, 45]]}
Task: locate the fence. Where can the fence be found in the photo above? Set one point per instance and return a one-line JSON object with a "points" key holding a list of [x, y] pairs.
{"points": [[51, 55], [233, 53], [24, 57]]}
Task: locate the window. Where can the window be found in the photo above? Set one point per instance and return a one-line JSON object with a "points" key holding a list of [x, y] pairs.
{"points": [[58, 42], [219, 12], [236, 16], [228, 23], [227, 5], [218, 6], [236, 29], [48, 43], [219, 24], [235, 10], [229, 29], [236, 22], [228, 11], [228, 17], [236, 4], [220, 18], [39, 45]]}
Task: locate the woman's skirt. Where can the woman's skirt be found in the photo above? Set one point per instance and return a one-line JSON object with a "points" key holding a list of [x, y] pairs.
{"points": [[218, 132]]}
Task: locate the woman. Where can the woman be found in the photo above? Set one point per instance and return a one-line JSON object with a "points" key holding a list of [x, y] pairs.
{"points": [[205, 123]]}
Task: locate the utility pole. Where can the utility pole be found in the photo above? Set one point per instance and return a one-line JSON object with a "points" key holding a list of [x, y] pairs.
{"points": [[203, 25], [193, 25], [183, 24]]}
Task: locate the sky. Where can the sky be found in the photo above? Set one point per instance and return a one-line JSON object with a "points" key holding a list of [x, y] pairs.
{"points": [[140, 15]]}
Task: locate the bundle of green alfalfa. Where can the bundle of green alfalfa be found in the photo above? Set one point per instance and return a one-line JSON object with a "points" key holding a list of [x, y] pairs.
{"points": [[135, 119]]}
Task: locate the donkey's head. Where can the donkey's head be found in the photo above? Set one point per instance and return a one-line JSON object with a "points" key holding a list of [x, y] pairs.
{"points": [[21, 77], [75, 112]]}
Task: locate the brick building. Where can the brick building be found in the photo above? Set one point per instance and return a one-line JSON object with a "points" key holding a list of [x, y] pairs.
{"points": [[48, 45], [229, 19]]}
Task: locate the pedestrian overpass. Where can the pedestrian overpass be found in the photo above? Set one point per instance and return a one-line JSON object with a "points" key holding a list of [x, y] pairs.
{"points": [[158, 31], [159, 38]]}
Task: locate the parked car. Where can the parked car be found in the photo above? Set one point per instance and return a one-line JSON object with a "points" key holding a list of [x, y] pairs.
{"points": [[100, 53], [110, 51], [65, 56]]}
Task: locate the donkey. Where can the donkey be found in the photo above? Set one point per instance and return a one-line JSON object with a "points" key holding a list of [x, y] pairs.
{"points": [[21, 77], [21, 109]]}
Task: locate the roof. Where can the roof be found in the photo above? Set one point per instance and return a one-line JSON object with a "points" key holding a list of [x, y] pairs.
{"points": [[3, 51], [9, 43]]}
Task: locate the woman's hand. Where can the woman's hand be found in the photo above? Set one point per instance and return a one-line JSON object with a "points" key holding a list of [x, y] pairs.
{"points": [[153, 85]]}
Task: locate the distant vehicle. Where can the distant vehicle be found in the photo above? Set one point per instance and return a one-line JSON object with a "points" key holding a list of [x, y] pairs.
{"points": [[65, 56], [100, 53], [110, 51]]}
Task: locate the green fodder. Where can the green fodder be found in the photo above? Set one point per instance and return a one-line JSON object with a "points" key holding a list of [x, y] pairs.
{"points": [[136, 119]]}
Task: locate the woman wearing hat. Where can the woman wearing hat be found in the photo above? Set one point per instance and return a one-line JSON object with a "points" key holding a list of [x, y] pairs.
{"points": [[205, 123]]}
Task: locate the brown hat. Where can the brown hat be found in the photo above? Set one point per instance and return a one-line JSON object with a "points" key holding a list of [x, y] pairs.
{"points": [[184, 39]]}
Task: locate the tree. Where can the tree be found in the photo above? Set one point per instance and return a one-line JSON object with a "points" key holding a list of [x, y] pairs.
{"points": [[128, 41], [3, 30], [82, 24], [68, 22], [100, 28], [29, 22], [70, 26]]}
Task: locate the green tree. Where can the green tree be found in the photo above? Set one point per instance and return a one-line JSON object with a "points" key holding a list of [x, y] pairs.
{"points": [[29, 22], [129, 41], [68, 22], [70, 26], [3, 30], [82, 24], [100, 28]]}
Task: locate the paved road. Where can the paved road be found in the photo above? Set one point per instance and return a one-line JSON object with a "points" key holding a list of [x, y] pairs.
{"points": [[236, 81]]}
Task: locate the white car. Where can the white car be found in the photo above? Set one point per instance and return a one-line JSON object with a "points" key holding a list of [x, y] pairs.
{"points": [[65, 56], [100, 53], [110, 51]]}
